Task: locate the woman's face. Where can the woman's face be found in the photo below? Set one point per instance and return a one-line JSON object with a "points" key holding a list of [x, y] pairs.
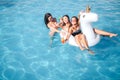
{"points": [[73, 21], [65, 19], [50, 18]]}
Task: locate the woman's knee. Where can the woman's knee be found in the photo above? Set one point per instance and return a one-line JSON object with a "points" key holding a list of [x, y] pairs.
{"points": [[82, 35]]}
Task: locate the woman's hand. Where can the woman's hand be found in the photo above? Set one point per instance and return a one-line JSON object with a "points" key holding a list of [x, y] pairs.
{"points": [[61, 20], [63, 40]]}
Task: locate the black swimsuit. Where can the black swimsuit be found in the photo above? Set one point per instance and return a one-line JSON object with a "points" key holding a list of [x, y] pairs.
{"points": [[76, 32]]}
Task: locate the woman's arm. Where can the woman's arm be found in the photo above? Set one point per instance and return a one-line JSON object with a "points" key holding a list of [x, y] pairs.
{"points": [[69, 34], [53, 29], [60, 24]]}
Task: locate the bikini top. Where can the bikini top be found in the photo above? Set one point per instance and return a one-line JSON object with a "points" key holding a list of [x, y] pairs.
{"points": [[76, 32]]}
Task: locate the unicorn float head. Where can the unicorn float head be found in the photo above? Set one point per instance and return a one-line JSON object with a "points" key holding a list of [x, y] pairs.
{"points": [[86, 18]]}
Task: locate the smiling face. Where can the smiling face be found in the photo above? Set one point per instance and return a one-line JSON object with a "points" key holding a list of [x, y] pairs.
{"points": [[73, 21], [50, 18], [65, 19]]}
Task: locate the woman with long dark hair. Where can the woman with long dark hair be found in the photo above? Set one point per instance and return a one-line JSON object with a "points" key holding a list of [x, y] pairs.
{"points": [[51, 23], [75, 31]]}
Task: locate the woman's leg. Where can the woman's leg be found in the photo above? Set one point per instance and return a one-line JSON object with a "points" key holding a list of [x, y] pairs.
{"points": [[101, 32], [77, 39], [51, 34], [83, 40]]}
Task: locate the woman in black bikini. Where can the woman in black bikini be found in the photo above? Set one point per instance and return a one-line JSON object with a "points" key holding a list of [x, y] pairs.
{"points": [[76, 32]]}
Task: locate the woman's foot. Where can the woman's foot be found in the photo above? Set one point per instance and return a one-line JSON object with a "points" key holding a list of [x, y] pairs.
{"points": [[90, 51], [81, 48], [111, 35]]}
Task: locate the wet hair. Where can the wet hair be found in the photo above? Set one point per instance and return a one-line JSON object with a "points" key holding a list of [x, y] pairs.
{"points": [[68, 19], [75, 18], [47, 15]]}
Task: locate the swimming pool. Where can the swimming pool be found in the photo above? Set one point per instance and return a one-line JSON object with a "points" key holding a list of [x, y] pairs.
{"points": [[25, 53]]}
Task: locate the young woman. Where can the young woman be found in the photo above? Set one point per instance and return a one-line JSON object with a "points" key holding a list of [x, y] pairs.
{"points": [[51, 24], [66, 23], [76, 32], [65, 27]]}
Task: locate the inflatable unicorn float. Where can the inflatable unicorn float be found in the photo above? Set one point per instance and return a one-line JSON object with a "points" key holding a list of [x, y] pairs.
{"points": [[86, 18]]}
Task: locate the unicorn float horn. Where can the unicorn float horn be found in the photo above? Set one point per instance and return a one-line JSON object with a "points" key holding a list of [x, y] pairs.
{"points": [[88, 9]]}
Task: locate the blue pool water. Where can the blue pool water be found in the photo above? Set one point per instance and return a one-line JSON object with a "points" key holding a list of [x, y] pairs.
{"points": [[25, 53]]}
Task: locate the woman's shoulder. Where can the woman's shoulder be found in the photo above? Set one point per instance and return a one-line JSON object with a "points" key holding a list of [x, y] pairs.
{"points": [[49, 24]]}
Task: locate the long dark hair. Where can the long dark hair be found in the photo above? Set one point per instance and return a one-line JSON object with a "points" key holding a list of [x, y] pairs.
{"points": [[68, 19], [47, 15]]}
